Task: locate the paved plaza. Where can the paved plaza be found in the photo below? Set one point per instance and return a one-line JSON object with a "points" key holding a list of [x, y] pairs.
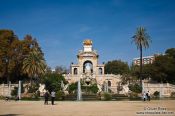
{"points": [[88, 108]]}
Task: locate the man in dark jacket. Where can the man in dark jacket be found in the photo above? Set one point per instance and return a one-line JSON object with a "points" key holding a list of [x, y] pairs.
{"points": [[46, 97]]}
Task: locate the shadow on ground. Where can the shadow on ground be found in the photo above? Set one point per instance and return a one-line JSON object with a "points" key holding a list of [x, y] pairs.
{"points": [[10, 114]]}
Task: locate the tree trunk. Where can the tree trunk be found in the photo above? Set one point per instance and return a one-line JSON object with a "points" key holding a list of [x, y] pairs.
{"points": [[141, 65]]}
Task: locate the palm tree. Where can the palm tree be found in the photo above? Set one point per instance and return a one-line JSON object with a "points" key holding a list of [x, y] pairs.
{"points": [[34, 64], [141, 40]]}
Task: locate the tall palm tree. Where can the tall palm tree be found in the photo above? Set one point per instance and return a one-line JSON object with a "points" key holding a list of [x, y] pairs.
{"points": [[34, 64], [141, 40]]}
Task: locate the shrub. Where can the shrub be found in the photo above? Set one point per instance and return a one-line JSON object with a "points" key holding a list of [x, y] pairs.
{"points": [[36, 94], [59, 95], [33, 88], [72, 87], [2, 97], [156, 93], [14, 91], [91, 89], [172, 94], [107, 96], [133, 95], [135, 88], [53, 81], [94, 88]]}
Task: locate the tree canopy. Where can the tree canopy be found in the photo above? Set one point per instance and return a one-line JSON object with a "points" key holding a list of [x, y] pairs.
{"points": [[142, 40], [116, 67], [13, 51], [161, 70]]}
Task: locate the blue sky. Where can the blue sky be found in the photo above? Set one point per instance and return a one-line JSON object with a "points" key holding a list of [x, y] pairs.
{"points": [[60, 26]]}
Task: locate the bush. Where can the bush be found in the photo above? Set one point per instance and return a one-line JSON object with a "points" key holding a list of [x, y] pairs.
{"points": [[91, 89], [2, 97], [135, 88], [107, 96], [94, 88], [30, 98], [53, 81], [33, 88], [172, 94], [14, 91], [36, 95], [133, 95], [72, 87], [60, 95], [156, 93]]}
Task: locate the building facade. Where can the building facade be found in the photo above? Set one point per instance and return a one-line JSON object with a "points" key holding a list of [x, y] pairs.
{"points": [[90, 71]]}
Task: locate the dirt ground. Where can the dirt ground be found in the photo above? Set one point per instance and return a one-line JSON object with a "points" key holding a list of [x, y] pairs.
{"points": [[88, 108]]}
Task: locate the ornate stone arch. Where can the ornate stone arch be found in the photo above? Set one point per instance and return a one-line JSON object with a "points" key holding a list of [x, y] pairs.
{"points": [[85, 64]]}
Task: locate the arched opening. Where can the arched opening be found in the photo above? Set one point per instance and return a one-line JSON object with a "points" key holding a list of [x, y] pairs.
{"points": [[109, 83], [100, 71], [75, 71], [87, 66]]}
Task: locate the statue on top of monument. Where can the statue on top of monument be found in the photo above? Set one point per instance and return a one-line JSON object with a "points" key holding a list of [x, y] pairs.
{"points": [[87, 42]]}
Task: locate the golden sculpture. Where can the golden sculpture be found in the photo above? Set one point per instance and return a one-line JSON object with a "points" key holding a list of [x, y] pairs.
{"points": [[87, 42]]}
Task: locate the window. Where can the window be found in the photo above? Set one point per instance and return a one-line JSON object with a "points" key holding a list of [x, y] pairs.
{"points": [[109, 83], [75, 71], [100, 71]]}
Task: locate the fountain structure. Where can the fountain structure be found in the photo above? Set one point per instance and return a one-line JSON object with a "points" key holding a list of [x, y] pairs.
{"points": [[89, 71]]}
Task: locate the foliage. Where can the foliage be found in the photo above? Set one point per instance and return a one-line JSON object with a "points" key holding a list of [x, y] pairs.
{"points": [[52, 81], [141, 40], [94, 88], [91, 88], [60, 70], [170, 52], [48, 70], [126, 78], [135, 88], [163, 69], [34, 64], [34, 97], [116, 67], [107, 96], [156, 93], [7, 53], [13, 51], [146, 71], [14, 91], [60, 95], [73, 87], [172, 94], [33, 88], [133, 95]]}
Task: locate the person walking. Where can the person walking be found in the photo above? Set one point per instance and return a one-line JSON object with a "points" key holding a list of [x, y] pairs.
{"points": [[46, 97], [144, 96], [148, 96], [52, 97]]}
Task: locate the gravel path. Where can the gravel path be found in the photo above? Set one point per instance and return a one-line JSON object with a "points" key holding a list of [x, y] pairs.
{"points": [[88, 108]]}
